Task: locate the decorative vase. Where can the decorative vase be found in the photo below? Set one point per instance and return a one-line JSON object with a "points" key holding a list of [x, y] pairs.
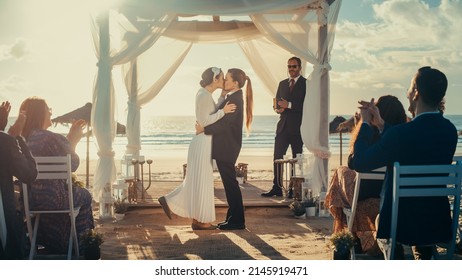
{"points": [[302, 216], [343, 254], [92, 253], [240, 180], [119, 216], [310, 211]]}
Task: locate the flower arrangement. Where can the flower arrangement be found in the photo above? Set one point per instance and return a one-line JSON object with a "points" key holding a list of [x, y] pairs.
{"points": [[91, 238], [120, 206], [342, 241], [76, 182], [297, 208]]}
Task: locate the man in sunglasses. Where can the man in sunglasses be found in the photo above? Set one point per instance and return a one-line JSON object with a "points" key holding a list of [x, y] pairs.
{"points": [[289, 105]]}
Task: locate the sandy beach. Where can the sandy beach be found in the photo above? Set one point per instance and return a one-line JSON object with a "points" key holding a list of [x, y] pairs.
{"points": [[171, 168]]}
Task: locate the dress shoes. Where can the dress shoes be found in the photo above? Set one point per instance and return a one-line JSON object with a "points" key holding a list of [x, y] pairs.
{"points": [[221, 223], [230, 226], [163, 203], [272, 192], [203, 226]]}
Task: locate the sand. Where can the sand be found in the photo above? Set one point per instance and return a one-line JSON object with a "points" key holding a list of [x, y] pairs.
{"points": [[272, 232]]}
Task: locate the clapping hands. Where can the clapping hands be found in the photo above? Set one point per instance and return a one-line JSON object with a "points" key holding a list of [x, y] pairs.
{"points": [[371, 114], [76, 132], [4, 112]]}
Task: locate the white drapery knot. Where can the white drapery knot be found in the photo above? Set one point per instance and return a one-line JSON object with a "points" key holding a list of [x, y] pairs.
{"points": [[322, 154], [320, 67], [109, 154], [132, 104], [103, 63], [322, 12]]}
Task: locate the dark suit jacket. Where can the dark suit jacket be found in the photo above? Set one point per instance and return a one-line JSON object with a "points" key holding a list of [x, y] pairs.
{"points": [[15, 160], [428, 139], [227, 132], [291, 119]]}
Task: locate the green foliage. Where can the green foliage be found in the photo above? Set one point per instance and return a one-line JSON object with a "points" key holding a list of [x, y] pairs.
{"points": [[92, 238], [343, 240], [120, 206], [76, 182], [297, 208]]}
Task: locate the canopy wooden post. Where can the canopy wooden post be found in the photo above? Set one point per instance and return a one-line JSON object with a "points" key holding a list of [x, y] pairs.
{"points": [[341, 146], [324, 98], [87, 182]]}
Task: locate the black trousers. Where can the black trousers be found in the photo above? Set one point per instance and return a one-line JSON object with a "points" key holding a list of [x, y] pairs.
{"points": [[281, 144], [235, 214]]}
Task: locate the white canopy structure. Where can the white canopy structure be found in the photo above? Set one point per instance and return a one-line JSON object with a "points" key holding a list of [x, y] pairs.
{"points": [[268, 32]]}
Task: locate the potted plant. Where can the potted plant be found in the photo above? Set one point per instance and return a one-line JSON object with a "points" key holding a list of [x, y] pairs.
{"points": [[298, 209], [91, 242], [341, 244], [310, 207], [120, 207]]}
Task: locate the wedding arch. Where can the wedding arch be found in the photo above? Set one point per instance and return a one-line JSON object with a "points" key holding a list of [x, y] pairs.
{"points": [[268, 32]]}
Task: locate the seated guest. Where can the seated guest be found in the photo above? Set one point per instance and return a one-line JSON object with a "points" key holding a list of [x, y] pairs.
{"points": [[51, 194], [427, 140], [341, 188], [17, 161]]}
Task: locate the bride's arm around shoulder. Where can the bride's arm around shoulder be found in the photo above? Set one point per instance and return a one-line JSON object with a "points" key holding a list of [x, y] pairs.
{"points": [[202, 114]]}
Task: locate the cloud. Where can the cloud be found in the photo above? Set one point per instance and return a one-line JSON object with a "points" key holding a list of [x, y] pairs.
{"points": [[18, 50], [14, 85], [405, 35]]}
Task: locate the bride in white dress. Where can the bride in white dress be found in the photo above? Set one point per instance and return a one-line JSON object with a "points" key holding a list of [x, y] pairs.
{"points": [[194, 198]]}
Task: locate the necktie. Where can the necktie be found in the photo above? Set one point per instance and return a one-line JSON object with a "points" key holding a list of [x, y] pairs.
{"points": [[291, 85]]}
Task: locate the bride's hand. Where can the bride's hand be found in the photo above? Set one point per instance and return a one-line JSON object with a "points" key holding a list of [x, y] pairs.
{"points": [[229, 108]]}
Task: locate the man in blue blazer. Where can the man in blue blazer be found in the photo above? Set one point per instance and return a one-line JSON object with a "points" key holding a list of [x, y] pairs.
{"points": [[426, 140]]}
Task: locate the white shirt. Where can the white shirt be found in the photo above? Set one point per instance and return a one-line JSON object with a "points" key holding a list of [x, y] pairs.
{"points": [[289, 104]]}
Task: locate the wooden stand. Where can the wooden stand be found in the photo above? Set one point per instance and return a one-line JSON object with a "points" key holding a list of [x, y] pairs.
{"points": [[296, 185]]}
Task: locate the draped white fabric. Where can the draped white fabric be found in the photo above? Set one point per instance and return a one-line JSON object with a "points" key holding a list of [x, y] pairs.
{"points": [[136, 100], [135, 41], [316, 113], [278, 29], [266, 59], [146, 8]]}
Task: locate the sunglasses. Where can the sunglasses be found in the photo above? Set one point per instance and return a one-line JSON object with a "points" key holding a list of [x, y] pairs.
{"points": [[292, 66]]}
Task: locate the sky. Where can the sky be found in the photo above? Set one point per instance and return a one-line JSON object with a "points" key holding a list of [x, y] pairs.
{"points": [[46, 50]]}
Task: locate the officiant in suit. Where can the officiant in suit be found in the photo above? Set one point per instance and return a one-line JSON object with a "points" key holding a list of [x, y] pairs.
{"points": [[289, 105], [17, 161], [426, 140], [227, 142]]}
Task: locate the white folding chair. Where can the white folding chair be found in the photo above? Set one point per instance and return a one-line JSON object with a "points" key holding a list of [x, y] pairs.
{"points": [[350, 213], [459, 228], [405, 180], [52, 168]]}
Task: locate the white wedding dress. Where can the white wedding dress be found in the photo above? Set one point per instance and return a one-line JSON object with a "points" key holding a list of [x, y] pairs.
{"points": [[194, 198]]}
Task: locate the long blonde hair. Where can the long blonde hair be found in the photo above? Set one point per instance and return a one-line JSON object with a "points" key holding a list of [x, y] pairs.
{"points": [[241, 78], [35, 109]]}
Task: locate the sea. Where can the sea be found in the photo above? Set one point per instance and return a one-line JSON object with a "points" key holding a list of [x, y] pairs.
{"points": [[163, 136]]}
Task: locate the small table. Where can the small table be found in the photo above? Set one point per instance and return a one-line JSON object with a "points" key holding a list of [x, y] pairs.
{"points": [[296, 185]]}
